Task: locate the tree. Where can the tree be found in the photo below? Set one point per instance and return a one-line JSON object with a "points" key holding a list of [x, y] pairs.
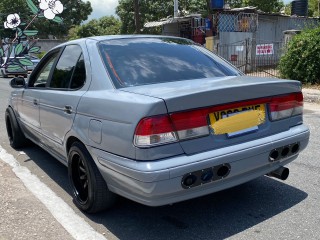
{"points": [[270, 6], [195, 6], [107, 25], [125, 11], [74, 13], [314, 8], [154, 11], [301, 60], [235, 3]]}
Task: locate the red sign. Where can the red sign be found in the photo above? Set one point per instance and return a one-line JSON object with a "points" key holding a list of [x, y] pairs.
{"points": [[234, 58], [264, 49]]}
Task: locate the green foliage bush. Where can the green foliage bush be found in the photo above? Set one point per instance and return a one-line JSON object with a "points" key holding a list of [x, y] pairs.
{"points": [[107, 25], [302, 58]]}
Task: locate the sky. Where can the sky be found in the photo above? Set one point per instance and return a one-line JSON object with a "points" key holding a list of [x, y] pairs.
{"points": [[107, 7], [102, 8]]}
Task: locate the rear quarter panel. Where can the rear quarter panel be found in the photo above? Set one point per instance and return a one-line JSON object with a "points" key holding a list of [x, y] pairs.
{"points": [[107, 120]]}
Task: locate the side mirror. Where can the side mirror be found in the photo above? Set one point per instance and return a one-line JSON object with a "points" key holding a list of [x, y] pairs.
{"points": [[18, 82]]}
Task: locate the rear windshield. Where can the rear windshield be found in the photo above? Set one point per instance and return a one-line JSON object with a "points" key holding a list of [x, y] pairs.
{"points": [[142, 61]]}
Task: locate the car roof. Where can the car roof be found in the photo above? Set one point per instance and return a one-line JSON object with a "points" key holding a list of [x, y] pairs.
{"points": [[113, 37]]}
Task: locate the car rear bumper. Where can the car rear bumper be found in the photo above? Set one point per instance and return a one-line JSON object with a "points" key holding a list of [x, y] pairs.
{"points": [[157, 183]]}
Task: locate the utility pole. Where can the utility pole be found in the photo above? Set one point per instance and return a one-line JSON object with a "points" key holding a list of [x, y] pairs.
{"points": [[137, 16], [175, 8]]}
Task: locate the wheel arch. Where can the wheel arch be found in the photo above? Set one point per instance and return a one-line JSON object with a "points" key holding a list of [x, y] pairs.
{"points": [[15, 133], [14, 113], [70, 141]]}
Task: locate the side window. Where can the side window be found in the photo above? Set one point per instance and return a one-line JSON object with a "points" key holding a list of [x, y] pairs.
{"points": [[43, 74], [65, 67], [79, 75]]}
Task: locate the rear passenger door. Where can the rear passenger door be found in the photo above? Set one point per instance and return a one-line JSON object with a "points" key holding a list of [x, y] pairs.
{"points": [[59, 102]]}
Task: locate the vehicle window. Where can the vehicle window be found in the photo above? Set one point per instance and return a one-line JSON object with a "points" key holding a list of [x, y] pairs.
{"points": [[79, 75], [141, 61], [66, 65], [43, 75]]}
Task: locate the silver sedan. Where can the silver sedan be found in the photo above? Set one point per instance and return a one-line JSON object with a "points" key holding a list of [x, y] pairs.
{"points": [[154, 119]]}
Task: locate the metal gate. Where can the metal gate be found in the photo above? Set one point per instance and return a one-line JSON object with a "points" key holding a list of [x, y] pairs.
{"points": [[253, 57]]}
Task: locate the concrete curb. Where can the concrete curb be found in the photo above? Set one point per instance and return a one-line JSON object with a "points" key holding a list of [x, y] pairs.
{"points": [[311, 95]]}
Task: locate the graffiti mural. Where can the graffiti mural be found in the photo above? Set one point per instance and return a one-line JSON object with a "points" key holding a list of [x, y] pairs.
{"points": [[14, 53]]}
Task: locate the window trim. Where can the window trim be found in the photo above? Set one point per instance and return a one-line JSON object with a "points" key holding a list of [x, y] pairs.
{"points": [[39, 67], [55, 65], [43, 61], [75, 89]]}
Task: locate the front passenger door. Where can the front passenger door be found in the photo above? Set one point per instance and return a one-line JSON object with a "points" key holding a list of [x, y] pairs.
{"points": [[30, 98]]}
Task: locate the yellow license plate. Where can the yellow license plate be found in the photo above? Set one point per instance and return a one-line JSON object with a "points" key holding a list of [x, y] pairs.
{"points": [[238, 120]]}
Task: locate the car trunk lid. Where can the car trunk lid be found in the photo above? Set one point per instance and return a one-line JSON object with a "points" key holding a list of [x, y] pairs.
{"points": [[221, 100]]}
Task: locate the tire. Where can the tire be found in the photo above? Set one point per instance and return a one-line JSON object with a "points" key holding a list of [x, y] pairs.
{"points": [[89, 189], [15, 134]]}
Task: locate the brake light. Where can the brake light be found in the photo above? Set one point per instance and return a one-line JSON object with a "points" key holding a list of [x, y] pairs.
{"points": [[171, 128], [154, 131], [286, 106]]}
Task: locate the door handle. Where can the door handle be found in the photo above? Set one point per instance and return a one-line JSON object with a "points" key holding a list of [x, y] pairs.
{"points": [[35, 102], [67, 109]]}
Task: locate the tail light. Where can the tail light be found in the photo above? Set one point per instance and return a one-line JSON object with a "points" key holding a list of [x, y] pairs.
{"points": [[163, 129], [154, 131], [286, 106]]}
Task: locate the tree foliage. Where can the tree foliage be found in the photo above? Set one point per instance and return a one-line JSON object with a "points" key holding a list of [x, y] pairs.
{"points": [[149, 11], [314, 8], [235, 3], [154, 11], [270, 6], [74, 13], [301, 61], [107, 25]]}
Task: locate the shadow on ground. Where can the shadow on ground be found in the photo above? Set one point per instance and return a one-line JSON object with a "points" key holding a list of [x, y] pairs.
{"points": [[216, 216]]}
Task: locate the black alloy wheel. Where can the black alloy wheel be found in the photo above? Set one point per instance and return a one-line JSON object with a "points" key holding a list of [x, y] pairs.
{"points": [[89, 189], [80, 178]]}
